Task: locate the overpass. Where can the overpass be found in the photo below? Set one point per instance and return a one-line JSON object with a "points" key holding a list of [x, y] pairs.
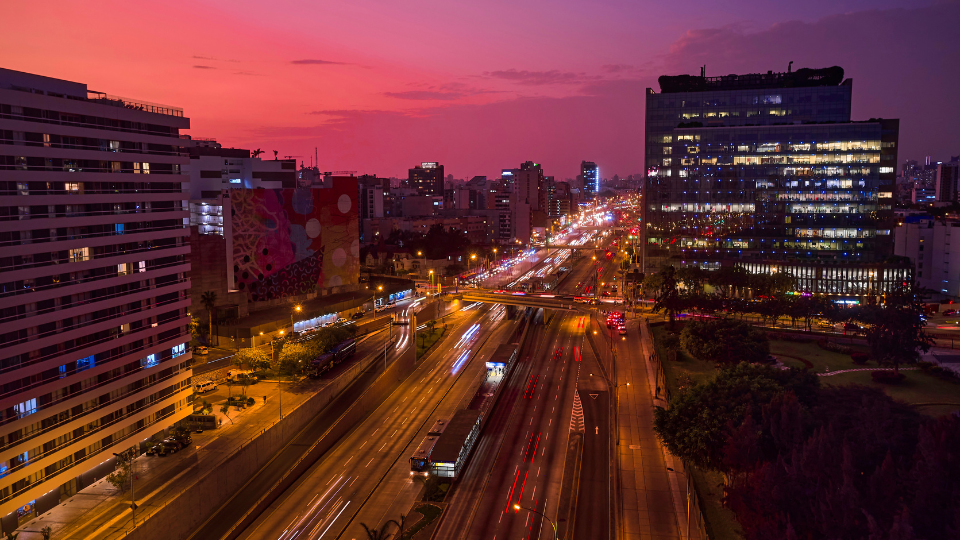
{"points": [[521, 300]]}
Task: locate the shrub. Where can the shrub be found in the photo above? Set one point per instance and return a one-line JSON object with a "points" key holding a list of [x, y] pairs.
{"points": [[941, 373], [859, 358], [250, 402], [670, 341], [834, 347], [725, 341], [887, 377]]}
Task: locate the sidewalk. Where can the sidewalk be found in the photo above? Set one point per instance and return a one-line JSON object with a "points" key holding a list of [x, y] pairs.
{"points": [[102, 512], [653, 484]]}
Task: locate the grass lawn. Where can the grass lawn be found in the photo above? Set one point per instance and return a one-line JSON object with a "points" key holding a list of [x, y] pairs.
{"points": [[429, 513], [918, 388], [426, 339], [789, 353]]}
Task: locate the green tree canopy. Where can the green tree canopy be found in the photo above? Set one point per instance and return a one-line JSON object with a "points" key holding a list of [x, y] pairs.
{"points": [[696, 426], [725, 341]]}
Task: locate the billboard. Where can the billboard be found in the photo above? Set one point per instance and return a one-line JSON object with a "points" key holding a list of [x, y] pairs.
{"points": [[292, 241]]}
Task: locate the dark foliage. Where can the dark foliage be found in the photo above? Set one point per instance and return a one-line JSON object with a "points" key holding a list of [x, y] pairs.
{"points": [[857, 465], [725, 341], [698, 422], [859, 358], [887, 377]]}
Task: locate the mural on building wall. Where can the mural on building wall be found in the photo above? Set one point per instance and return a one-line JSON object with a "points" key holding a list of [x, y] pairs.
{"points": [[291, 241]]}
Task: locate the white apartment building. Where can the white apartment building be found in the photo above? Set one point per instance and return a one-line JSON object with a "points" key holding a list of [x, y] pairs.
{"points": [[94, 297], [934, 248]]}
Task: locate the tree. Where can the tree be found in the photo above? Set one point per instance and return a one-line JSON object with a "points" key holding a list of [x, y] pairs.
{"points": [[896, 330], [119, 477], [256, 358], [209, 301], [377, 534], [667, 296], [294, 358], [725, 341], [225, 410], [729, 280], [696, 426]]}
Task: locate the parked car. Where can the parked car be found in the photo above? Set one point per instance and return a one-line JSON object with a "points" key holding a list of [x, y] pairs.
{"points": [[823, 323], [357, 315], [203, 387], [201, 349], [950, 312]]}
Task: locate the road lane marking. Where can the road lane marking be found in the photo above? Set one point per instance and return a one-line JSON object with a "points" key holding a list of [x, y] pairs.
{"points": [[348, 461], [369, 462]]}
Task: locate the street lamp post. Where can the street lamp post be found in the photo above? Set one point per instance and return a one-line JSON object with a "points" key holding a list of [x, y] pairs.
{"points": [[552, 524], [296, 309]]}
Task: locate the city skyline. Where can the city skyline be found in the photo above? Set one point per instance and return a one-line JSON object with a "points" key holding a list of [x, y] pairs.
{"points": [[374, 98]]}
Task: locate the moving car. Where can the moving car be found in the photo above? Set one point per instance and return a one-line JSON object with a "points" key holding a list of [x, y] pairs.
{"points": [[622, 330], [823, 323], [378, 309], [201, 349], [357, 315]]}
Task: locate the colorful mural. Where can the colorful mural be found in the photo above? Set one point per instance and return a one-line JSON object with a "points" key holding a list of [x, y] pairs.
{"points": [[291, 241]]}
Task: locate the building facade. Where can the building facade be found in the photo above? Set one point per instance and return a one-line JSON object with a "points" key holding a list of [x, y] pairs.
{"points": [[93, 285], [590, 177], [426, 178], [765, 167], [935, 253]]}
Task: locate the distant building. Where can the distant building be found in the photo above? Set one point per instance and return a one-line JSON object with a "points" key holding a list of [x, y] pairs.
{"points": [[765, 167], [427, 178], [934, 247], [947, 179], [590, 177], [213, 169]]}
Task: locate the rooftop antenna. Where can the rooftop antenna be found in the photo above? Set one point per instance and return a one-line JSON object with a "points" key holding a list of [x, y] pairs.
{"points": [[790, 67], [703, 71], [316, 159], [275, 152]]}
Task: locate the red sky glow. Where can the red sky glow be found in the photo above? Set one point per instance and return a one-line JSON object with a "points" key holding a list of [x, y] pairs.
{"points": [[379, 86]]}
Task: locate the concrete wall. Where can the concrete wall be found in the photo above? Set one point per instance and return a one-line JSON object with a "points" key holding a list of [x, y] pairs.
{"points": [[191, 508]]}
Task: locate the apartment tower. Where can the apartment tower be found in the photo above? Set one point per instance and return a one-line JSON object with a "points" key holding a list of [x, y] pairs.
{"points": [[94, 296]]}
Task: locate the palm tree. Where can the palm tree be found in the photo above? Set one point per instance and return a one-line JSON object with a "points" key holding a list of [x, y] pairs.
{"points": [[377, 534], [399, 525], [209, 301]]}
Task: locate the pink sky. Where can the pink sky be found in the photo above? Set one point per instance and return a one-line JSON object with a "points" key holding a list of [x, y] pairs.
{"points": [[379, 86]]}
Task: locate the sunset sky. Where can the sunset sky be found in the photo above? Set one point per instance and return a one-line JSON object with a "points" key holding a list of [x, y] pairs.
{"points": [[379, 86]]}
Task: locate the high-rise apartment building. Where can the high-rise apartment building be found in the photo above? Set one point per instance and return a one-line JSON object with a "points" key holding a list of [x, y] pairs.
{"points": [[94, 255], [765, 167], [590, 176], [948, 181], [426, 178]]}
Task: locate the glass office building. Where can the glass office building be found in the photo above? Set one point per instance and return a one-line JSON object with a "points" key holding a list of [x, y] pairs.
{"points": [[765, 167]]}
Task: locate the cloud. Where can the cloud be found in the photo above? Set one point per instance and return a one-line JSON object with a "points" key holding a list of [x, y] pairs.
{"points": [[316, 62], [204, 67], [540, 78], [425, 95], [200, 57], [616, 68]]}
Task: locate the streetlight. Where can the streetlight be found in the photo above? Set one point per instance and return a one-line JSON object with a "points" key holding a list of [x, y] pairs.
{"points": [[517, 507], [296, 309]]}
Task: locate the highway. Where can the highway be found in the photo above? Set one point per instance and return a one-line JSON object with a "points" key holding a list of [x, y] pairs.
{"points": [[521, 456], [365, 477]]}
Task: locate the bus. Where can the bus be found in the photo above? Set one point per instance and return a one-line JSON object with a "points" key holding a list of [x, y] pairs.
{"points": [[326, 361], [420, 463]]}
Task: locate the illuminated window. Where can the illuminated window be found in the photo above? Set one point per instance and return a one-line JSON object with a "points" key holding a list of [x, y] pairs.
{"points": [[179, 350], [26, 408], [149, 361], [86, 363]]}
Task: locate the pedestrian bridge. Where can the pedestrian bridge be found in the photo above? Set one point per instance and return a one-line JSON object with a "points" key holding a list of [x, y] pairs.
{"points": [[545, 300]]}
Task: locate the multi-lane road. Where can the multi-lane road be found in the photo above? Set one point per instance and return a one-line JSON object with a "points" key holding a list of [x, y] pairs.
{"points": [[365, 479]]}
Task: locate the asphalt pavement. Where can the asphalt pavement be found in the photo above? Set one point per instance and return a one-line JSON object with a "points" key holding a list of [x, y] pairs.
{"points": [[365, 478]]}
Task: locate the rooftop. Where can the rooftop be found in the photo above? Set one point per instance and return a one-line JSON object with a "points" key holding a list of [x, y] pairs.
{"points": [[804, 77], [451, 441], [38, 84]]}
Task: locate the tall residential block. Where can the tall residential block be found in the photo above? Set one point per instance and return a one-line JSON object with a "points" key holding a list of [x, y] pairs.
{"points": [[590, 176], [768, 169], [426, 178], [94, 255]]}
